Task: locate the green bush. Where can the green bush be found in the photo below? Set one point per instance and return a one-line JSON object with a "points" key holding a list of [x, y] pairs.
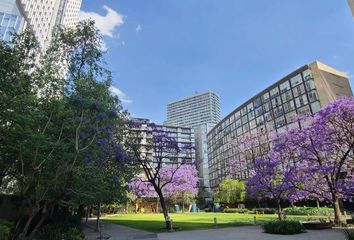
{"points": [[5, 229], [235, 210], [59, 231], [208, 209], [313, 211], [265, 210], [283, 227], [349, 233]]}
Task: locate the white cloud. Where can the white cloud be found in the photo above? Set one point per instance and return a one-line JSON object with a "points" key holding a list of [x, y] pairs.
{"points": [[138, 28], [123, 43], [121, 95], [107, 23]]}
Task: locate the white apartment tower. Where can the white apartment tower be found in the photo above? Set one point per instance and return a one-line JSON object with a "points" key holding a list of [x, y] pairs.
{"points": [[200, 112], [46, 15]]}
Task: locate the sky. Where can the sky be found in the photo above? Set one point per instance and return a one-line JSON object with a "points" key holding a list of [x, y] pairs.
{"points": [[163, 50]]}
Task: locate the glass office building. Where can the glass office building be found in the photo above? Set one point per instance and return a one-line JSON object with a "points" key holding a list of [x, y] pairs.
{"points": [[305, 90]]}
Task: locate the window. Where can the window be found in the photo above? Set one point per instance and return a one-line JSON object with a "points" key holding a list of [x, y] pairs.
{"points": [[265, 97], [307, 74], [312, 96], [266, 107], [274, 92], [257, 102], [310, 85], [250, 107], [280, 122], [252, 124], [289, 106], [315, 107], [260, 121], [284, 86], [296, 80], [298, 90], [303, 110], [278, 111], [259, 111], [276, 102], [301, 101], [286, 96], [290, 117], [244, 119], [268, 116]]}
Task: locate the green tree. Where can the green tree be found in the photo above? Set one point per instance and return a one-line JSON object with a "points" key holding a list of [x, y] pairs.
{"points": [[231, 191], [60, 129]]}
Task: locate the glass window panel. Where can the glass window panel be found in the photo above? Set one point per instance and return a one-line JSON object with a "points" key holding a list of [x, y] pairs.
{"points": [[296, 80], [284, 86], [315, 107]]}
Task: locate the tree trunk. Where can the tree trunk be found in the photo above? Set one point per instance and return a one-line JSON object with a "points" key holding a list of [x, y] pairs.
{"points": [[279, 210], [87, 214], [317, 203], [98, 218], [24, 232], [164, 208], [337, 212]]}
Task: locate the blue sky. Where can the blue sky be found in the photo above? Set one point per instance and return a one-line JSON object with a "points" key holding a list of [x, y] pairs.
{"points": [[163, 50]]}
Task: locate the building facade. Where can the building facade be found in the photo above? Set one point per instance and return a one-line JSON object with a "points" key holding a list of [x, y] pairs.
{"points": [[183, 136], [351, 5], [12, 19], [46, 16], [200, 112], [305, 90]]}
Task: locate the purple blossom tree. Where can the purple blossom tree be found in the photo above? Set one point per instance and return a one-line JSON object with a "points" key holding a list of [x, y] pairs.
{"points": [[324, 154], [271, 180], [184, 182], [156, 152]]}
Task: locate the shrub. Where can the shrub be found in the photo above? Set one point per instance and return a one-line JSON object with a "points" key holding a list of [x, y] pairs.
{"points": [[5, 229], [283, 227], [265, 210], [235, 210], [208, 209], [349, 233], [59, 231], [308, 211]]}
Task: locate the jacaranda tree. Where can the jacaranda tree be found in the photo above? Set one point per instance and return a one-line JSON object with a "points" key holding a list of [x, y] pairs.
{"points": [[325, 154], [152, 149], [183, 184]]}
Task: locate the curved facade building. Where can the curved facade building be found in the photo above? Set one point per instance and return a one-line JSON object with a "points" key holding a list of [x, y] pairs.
{"points": [[305, 90]]}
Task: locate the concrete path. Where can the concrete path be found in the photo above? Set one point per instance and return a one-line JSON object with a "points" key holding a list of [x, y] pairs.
{"points": [[116, 232], [250, 233]]}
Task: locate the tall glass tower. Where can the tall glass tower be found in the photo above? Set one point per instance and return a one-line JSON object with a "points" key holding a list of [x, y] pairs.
{"points": [[12, 19]]}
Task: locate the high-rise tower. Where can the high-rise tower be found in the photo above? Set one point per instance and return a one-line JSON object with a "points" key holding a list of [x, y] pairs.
{"points": [[200, 112]]}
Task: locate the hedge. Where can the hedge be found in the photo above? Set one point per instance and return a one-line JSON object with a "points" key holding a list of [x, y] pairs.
{"points": [[283, 227], [235, 210], [308, 211]]}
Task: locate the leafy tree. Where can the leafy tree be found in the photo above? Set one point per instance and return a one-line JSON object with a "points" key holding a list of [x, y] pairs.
{"points": [[59, 125], [230, 191]]}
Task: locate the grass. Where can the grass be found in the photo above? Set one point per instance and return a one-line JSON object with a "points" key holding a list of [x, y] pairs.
{"points": [[192, 221]]}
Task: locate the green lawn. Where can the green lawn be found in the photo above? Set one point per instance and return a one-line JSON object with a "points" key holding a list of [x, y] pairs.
{"points": [[191, 221]]}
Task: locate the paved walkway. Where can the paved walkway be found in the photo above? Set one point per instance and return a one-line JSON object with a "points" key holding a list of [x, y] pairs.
{"points": [[250, 233], [117, 232]]}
